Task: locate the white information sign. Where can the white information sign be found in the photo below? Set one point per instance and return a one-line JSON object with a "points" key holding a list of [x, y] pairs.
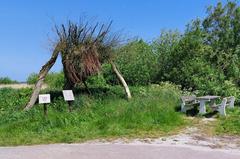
{"points": [[44, 98], [68, 95]]}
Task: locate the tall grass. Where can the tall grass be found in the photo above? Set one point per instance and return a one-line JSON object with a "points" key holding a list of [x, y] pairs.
{"points": [[229, 125], [104, 114]]}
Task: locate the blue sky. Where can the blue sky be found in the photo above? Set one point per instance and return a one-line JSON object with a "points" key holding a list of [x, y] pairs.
{"points": [[26, 25]]}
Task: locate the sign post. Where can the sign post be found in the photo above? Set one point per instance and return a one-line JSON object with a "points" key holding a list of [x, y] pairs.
{"points": [[69, 98], [44, 99]]}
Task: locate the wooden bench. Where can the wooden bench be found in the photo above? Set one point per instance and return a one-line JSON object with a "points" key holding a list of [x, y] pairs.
{"points": [[226, 102], [188, 102]]}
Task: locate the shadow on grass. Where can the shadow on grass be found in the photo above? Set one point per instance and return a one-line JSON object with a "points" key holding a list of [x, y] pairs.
{"points": [[99, 92], [195, 112], [210, 114]]}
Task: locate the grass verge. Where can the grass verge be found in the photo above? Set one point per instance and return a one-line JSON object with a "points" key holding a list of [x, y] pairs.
{"points": [[103, 114], [229, 125]]}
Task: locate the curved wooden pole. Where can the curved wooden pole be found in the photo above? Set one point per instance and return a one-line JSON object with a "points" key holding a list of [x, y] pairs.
{"points": [[121, 79], [41, 76]]}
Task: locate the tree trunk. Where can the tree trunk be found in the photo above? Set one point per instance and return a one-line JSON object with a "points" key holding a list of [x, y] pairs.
{"points": [[41, 76], [121, 79]]}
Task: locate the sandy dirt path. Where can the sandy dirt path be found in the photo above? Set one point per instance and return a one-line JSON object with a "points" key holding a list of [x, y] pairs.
{"points": [[19, 86]]}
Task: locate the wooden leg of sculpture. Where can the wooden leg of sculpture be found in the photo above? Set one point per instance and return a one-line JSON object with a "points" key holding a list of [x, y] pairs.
{"points": [[42, 74], [121, 79]]}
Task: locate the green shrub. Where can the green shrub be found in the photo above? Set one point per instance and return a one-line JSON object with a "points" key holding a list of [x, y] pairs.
{"points": [[209, 81], [109, 75], [32, 78], [186, 61], [164, 47], [53, 79], [197, 74], [137, 63], [12, 99], [96, 81], [7, 80]]}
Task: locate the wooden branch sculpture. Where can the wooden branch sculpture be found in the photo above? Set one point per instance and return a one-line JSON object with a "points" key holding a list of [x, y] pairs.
{"points": [[83, 49]]}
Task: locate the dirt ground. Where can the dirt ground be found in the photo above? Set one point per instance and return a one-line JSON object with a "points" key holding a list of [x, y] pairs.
{"points": [[198, 134]]}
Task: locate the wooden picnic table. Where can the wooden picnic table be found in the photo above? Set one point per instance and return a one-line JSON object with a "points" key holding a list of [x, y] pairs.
{"points": [[203, 101]]}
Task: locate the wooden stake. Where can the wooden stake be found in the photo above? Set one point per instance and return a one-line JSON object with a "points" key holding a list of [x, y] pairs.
{"points": [[45, 109], [69, 106]]}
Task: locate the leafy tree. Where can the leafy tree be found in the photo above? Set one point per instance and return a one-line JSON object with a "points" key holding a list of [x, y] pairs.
{"points": [[175, 51], [137, 62], [206, 56], [164, 47], [222, 28]]}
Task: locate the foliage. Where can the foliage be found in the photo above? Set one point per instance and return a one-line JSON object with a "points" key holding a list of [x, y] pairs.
{"points": [[104, 114], [164, 47], [206, 56], [222, 27], [53, 79], [7, 80], [108, 74], [13, 100], [137, 63], [32, 78], [97, 81]]}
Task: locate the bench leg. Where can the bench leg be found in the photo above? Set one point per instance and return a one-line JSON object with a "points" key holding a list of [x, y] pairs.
{"points": [[202, 109], [231, 106], [222, 110], [183, 108], [232, 100]]}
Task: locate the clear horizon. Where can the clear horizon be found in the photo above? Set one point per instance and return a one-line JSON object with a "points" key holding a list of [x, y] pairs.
{"points": [[26, 26]]}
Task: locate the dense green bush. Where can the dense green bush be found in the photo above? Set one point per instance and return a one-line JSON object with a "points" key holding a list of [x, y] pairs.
{"points": [[13, 100], [32, 78], [206, 57], [109, 75], [7, 80], [137, 63], [164, 47], [222, 33], [97, 81], [53, 79]]}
